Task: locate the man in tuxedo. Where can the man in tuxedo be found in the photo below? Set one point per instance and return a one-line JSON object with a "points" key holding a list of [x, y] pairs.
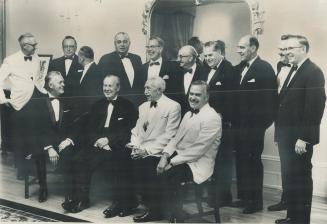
{"points": [[257, 96], [68, 65], [126, 66], [20, 73], [192, 71], [158, 66], [190, 155], [283, 68], [297, 126], [157, 124], [102, 145], [89, 83], [222, 82]]}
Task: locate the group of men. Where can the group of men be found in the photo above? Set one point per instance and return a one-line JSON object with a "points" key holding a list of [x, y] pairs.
{"points": [[193, 111]]}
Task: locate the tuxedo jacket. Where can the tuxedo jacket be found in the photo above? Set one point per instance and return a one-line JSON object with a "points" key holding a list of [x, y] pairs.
{"points": [[88, 91], [196, 142], [256, 95], [162, 127], [222, 90], [301, 105], [73, 75], [123, 119]]}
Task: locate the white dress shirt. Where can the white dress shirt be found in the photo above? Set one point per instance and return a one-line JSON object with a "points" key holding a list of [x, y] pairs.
{"points": [[109, 113], [154, 70], [246, 69], [55, 106], [188, 78], [20, 77], [86, 68], [68, 63], [129, 69], [212, 72]]}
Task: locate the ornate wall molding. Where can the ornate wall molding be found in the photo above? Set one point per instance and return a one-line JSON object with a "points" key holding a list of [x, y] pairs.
{"points": [[146, 15]]}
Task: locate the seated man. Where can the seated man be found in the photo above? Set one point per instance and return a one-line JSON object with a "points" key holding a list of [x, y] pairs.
{"points": [[102, 144], [157, 124], [191, 154]]}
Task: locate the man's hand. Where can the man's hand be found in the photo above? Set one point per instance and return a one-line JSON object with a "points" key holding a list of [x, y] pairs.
{"points": [[7, 102], [162, 163], [138, 153], [53, 156], [101, 142], [300, 147], [107, 147], [64, 144]]}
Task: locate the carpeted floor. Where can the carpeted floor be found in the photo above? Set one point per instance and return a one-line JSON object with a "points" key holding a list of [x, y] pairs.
{"points": [[14, 212]]}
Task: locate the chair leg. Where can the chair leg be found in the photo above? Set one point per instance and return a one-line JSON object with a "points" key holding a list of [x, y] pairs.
{"points": [[217, 212], [198, 198]]}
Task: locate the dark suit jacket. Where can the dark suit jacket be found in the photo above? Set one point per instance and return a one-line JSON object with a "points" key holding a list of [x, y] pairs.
{"points": [[112, 64], [222, 90], [256, 95], [123, 119], [301, 105], [71, 78], [88, 91]]}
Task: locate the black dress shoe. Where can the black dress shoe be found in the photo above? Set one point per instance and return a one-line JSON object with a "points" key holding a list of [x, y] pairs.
{"points": [[80, 206], [68, 204], [43, 195], [147, 217], [286, 220], [175, 219], [113, 210], [252, 208], [278, 207]]}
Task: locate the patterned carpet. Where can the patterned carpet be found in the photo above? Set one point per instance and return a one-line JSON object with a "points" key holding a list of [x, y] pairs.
{"points": [[14, 212]]}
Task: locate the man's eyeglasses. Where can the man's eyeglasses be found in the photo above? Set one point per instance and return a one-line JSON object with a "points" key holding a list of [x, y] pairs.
{"points": [[32, 45], [69, 46], [152, 46], [291, 48], [183, 56]]}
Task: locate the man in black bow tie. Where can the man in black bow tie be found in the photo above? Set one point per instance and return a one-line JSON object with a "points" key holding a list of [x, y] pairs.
{"points": [[102, 146], [68, 65], [125, 65]]}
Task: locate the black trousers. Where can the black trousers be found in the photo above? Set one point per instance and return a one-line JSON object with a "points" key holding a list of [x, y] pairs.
{"points": [[249, 167], [283, 165], [116, 164], [299, 186], [147, 182]]}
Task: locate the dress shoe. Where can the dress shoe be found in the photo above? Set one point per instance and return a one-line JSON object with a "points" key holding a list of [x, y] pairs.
{"points": [[80, 206], [68, 203], [176, 219], [238, 204], [113, 210], [147, 217], [278, 207], [43, 195], [252, 208], [286, 220]]}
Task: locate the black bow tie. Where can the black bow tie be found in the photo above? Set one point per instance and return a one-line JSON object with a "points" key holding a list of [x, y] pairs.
{"points": [[188, 70], [153, 104], [112, 102], [194, 111], [28, 58], [123, 56], [285, 64], [154, 63], [69, 57]]}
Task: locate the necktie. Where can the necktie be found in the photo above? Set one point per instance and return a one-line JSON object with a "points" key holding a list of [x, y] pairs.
{"points": [[28, 58], [188, 70], [154, 63], [69, 57], [294, 68], [194, 111], [124, 56], [153, 104]]}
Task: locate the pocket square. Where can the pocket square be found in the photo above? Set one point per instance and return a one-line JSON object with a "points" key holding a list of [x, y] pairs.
{"points": [[65, 111], [120, 118], [80, 70], [165, 77], [251, 80], [218, 83]]}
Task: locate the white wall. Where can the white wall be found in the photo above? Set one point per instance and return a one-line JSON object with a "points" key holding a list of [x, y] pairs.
{"points": [[91, 22]]}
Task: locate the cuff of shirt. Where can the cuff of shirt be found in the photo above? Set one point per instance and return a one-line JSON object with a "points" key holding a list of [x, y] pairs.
{"points": [[48, 147], [71, 141]]}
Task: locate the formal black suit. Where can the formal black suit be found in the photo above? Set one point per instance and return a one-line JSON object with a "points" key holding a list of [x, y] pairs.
{"points": [[300, 110], [112, 64], [256, 100], [87, 91], [115, 163], [72, 77], [222, 98]]}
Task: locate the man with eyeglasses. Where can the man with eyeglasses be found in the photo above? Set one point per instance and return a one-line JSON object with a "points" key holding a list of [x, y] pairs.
{"points": [[158, 66], [257, 96], [126, 66], [68, 65], [20, 73], [297, 126]]}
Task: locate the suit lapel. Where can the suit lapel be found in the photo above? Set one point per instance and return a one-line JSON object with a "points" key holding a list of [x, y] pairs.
{"points": [[51, 112], [248, 74], [61, 112], [155, 118], [218, 76]]}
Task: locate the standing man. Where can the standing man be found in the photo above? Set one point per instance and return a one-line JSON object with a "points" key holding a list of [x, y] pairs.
{"points": [[301, 107], [222, 82], [21, 72], [126, 66], [157, 124], [192, 71], [158, 66], [68, 65], [103, 147], [283, 68], [257, 96], [190, 155]]}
